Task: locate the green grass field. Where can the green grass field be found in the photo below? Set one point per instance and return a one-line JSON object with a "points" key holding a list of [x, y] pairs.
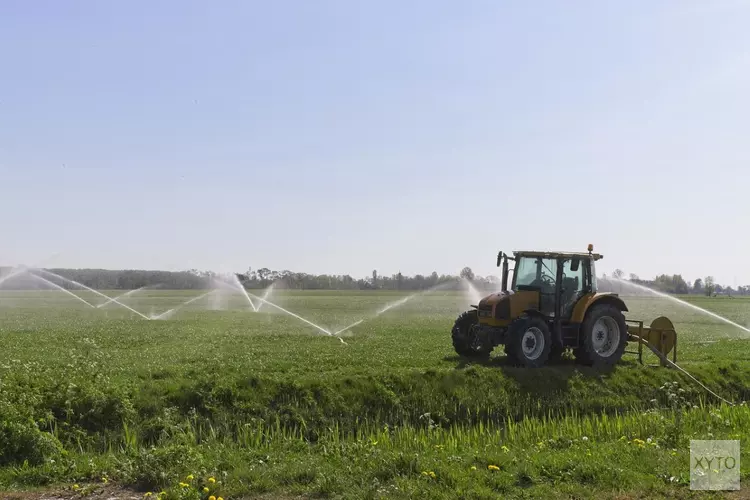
{"points": [[268, 405]]}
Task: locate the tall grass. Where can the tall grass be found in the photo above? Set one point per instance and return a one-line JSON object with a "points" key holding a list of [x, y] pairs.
{"points": [[591, 452]]}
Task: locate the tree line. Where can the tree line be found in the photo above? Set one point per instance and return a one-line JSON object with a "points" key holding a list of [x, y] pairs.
{"points": [[106, 279], [676, 284]]}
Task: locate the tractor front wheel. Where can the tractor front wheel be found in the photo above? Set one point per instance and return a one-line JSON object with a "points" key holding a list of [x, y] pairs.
{"points": [[604, 336], [465, 339], [529, 341]]}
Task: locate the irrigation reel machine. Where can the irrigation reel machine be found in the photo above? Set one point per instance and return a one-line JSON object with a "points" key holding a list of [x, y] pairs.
{"points": [[553, 305]]}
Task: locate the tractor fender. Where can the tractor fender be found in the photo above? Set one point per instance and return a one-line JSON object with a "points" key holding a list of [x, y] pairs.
{"points": [[583, 305], [534, 312]]}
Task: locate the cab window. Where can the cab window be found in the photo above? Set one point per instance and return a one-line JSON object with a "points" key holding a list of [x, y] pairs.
{"points": [[535, 272]]}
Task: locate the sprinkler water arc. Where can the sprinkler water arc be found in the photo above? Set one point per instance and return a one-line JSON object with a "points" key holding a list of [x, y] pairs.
{"points": [[392, 305], [304, 320], [55, 285], [682, 302], [72, 282], [176, 308], [123, 295]]}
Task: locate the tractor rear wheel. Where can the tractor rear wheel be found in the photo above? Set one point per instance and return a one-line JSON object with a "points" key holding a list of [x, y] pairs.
{"points": [[465, 339], [529, 341], [604, 335]]}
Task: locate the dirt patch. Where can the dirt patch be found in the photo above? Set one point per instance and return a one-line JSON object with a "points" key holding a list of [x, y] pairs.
{"points": [[111, 492], [92, 492]]}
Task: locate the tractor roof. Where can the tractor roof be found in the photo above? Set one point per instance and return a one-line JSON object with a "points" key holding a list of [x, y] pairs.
{"points": [[555, 255]]}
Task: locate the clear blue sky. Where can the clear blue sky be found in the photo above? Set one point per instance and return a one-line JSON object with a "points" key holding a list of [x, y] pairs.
{"points": [[343, 136]]}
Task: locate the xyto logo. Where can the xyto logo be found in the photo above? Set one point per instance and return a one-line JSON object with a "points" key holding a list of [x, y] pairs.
{"points": [[714, 465]]}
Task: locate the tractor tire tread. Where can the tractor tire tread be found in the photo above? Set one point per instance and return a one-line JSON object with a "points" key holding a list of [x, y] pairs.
{"points": [[515, 336], [585, 354], [461, 341]]}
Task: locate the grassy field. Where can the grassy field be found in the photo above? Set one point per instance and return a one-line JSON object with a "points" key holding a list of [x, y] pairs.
{"points": [[266, 404]]}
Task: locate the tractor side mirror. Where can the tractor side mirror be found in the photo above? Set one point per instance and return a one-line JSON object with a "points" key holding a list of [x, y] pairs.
{"points": [[499, 258], [574, 264]]}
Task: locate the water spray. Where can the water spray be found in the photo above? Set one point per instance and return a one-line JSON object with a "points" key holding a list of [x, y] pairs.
{"points": [[265, 296], [318, 327], [236, 281], [392, 305], [122, 296], [473, 294], [682, 302], [55, 285], [348, 327], [13, 273], [50, 273], [176, 308]]}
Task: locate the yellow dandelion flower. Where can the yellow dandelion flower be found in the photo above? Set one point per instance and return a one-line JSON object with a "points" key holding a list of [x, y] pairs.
{"points": [[493, 467], [432, 475], [147, 494], [473, 467], [212, 497], [75, 486], [205, 490], [184, 485], [105, 480], [211, 480], [220, 498], [190, 477]]}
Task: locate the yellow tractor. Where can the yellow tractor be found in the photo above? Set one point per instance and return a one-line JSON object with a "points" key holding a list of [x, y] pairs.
{"points": [[553, 305]]}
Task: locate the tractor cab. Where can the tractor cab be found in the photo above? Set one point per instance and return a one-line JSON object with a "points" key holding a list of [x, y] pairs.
{"points": [[552, 304], [560, 279]]}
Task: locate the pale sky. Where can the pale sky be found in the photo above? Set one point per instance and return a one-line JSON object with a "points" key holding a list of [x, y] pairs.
{"points": [[342, 136]]}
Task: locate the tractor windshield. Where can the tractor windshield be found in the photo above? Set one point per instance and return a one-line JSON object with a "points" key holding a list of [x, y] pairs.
{"points": [[535, 272]]}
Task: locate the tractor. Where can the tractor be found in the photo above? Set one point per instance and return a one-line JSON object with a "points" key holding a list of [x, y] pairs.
{"points": [[553, 305]]}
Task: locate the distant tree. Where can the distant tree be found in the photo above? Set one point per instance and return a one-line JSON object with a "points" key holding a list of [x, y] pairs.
{"points": [[263, 275], [374, 278], [709, 285], [400, 280], [679, 284], [467, 273], [618, 274], [671, 284], [419, 282], [434, 278], [634, 277], [698, 286]]}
